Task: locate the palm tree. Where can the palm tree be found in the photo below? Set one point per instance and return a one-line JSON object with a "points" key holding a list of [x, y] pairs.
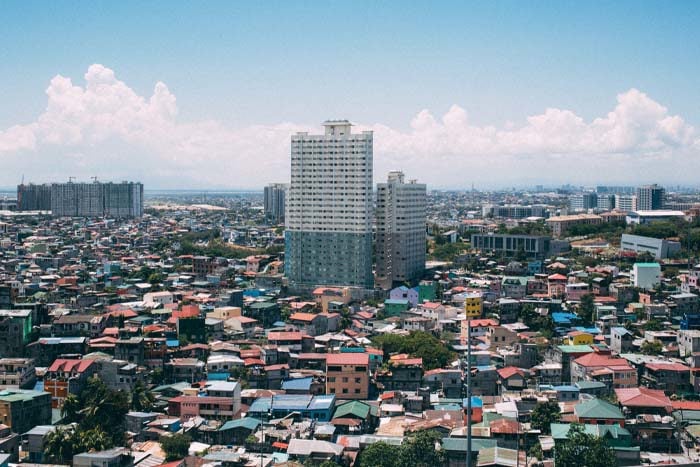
{"points": [[141, 398], [59, 445], [71, 409]]}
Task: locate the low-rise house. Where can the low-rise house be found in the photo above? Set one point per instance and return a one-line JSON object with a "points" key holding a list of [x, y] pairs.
{"points": [[67, 376], [598, 412], [17, 373], [22, 410]]}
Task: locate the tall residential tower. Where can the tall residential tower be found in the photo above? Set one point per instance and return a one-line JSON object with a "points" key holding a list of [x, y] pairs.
{"points": [[650, 197], [329, 208], [401, 238], [275, 195]]}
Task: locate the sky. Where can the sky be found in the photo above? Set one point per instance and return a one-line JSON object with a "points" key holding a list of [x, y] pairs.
{"points": [[196, 95]]}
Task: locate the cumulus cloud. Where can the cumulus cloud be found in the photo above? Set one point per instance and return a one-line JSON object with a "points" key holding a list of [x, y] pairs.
{"points": [[117, 133]]}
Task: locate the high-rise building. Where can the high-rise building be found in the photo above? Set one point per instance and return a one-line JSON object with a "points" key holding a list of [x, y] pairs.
{"points": [[328, 237], [401, 238], [650, 197], [606, 202], [583, 202], [275, 195], [96, 199], [626, 202], [33, 197]]}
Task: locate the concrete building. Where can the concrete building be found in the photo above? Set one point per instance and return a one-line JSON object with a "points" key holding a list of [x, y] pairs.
{"points": [[401, 238], [561, 224], [626, 203], [605, 202], [583, 202], [647, 217], [650, 197], [97, 199], [646, 275], [660, 248], [532, 245], [17, 373], [347, 375], [23, 410], [33, 197], [514, 211], [15, 332], [328, 239], [275, 201]]}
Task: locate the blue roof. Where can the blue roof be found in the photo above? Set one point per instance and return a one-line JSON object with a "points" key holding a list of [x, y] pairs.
{"points": [[261, 405], [396, 301], [172, 343], [298, 384], [323, 402], [566, 387], [560, 317], [590, 330], [476, 402]]}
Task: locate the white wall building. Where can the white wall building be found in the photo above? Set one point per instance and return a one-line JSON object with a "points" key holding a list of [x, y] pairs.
{"points": [[401, 237], [330, 208], [646, 275]]}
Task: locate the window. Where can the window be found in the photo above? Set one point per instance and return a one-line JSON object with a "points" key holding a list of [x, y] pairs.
{"points": [[345, 390], [358, 380]]}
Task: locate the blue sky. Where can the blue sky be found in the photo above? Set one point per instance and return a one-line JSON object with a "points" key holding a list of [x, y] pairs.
{"points": [[249, 64]]}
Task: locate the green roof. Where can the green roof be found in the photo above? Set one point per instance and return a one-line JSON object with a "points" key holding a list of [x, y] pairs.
{"points": [[248, 422], [585, 384], [561, 431], [575, 348], [14, 395], [356, 408], [598, 408], [460, 444]]}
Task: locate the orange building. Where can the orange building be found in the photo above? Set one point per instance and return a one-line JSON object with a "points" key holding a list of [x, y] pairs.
{"points": [[347, 375], [67, 376]]}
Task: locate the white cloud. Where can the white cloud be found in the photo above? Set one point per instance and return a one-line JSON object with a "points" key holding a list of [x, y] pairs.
{"points": [[120, 134]]}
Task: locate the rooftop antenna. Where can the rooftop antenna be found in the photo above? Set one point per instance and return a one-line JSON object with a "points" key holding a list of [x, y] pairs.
{"points": [[70, 179], [22, 180], [94, 179]]}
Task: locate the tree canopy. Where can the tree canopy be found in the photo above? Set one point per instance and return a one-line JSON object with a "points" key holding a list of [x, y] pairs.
{"points": [[434, 352], [419, 450], [543, 415], [175, 446], [581, 449]]}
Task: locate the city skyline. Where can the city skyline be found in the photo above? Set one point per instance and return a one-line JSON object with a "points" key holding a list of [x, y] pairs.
{"points": [[495, 95]]}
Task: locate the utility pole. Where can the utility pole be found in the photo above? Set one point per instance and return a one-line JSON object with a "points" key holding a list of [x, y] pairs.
{"points": [[469, 392]]}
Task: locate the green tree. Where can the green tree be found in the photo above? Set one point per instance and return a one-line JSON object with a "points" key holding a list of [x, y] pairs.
{"points": [[543, 415], [581, 449], [175, 446], [91, 440], [142, 399], [380, 454], [587, 308], [58, 447], [654, 347], [422, 450], [71, 409], [434, 352]]}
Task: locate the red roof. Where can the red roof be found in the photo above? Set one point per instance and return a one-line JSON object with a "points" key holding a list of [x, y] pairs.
{"points": [[187, 311], [302, 316], [349, 358], [667, 366], [284, 336], [70, 365], [509, 371], [643, 397], [685, 405], [595, 359], [476, 323], [557, 277]]}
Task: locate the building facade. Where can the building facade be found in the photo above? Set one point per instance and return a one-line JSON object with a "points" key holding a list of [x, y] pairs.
{"points": [[401, 238], [33, 197], [650, 197], [328, 238], [97, 199], [275, 201]]}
